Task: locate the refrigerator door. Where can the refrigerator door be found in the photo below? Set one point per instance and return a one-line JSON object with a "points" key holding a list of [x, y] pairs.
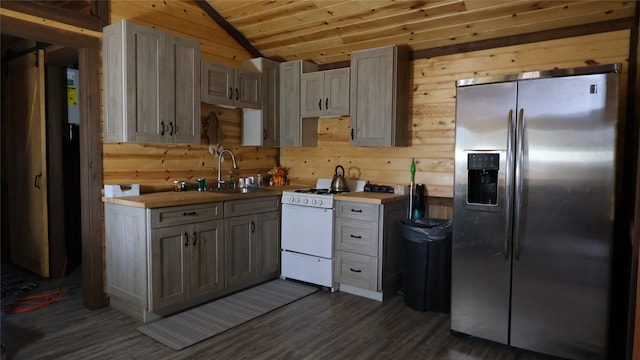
{"points": [[563, 226], [481, 262]]}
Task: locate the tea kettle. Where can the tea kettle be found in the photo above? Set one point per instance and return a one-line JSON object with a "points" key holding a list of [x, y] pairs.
{"points": [[339, 182]]}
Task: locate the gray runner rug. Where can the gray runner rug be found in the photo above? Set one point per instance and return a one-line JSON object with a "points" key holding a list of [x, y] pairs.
{"points": [[200, 323]]}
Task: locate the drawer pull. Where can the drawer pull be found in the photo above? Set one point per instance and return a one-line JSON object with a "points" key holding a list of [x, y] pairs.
{"points": [[356, 210], [355, 270], [356, 236], [190, 213]]}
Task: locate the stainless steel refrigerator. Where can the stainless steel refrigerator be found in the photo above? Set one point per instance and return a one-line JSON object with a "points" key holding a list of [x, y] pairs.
{"points": [[534, 209]]}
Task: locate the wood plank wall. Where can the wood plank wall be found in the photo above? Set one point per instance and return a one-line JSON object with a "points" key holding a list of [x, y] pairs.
{"points": [[432, 112]]}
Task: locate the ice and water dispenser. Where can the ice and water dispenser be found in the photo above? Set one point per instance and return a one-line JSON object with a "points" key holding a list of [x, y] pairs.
{"points": [[483, 178]]}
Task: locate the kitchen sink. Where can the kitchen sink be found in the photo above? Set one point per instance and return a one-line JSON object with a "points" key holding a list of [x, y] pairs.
{"points": [[243, 190]]}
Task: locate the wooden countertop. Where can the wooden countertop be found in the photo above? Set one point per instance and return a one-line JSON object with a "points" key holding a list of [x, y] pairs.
{"points": [[173, 198]]}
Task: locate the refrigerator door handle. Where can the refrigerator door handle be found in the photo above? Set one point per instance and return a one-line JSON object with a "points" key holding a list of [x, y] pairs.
{"points": [[518, 181], [508, 186]]}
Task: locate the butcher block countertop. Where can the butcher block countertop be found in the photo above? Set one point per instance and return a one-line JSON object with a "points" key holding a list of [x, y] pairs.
{"points": [[370, 197], [173, 198]]}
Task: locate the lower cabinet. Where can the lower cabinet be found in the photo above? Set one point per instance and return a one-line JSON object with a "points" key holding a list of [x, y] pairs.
{"points": [[163, 260], [368, 247], [186, 263], [252, 240]]}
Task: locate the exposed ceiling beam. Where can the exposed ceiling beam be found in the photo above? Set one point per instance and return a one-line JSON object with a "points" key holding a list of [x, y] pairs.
{"points": [[99, 13], [215, 16], [28, 29], [571, 31]]}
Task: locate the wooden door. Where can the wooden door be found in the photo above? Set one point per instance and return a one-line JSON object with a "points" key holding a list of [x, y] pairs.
{"points": [[312, 94], [268, 243], [270, 84], [290, 122], [186, 90], [169, 270], [27, 163], [149, 112], [206, 258], [217, 83], [371, 97], [240, 249], [247, 89], [336, 92]]}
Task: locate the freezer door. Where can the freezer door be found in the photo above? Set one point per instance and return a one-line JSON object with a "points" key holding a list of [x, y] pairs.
{"points": [[481, 261], [563, 228]]}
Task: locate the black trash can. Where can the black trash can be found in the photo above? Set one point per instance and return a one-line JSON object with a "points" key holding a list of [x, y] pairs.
{"points": [[427, 271]]}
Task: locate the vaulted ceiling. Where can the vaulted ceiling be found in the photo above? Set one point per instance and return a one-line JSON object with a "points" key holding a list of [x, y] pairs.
{"points": [[327, 31]]}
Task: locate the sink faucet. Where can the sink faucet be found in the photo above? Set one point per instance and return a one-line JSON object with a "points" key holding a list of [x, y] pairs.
{"points": [[220, 156]]}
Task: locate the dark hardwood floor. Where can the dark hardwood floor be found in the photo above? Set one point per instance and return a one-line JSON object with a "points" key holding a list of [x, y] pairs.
{"points": [[319, 326]]}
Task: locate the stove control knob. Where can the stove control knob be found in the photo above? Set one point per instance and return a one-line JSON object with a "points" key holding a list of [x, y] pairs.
{"points": [[305, 201], [314, 202], [291, 199], [319, 202], [297, 200]]}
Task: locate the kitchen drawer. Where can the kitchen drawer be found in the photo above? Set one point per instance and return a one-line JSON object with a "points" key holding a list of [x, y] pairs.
{"points": [[185, 214], [359, 271], [357, 210], [312, 269], [356, 236], [251, 206]]}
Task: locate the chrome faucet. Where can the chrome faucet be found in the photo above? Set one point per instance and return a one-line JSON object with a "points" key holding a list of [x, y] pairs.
{"points": [[220, 155]]}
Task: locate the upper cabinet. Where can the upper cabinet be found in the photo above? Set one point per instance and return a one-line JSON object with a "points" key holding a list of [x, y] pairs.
{"points": [[294, 131], [325, 93], [229, 86], [262, 127], [151, 85], [379, 96]]}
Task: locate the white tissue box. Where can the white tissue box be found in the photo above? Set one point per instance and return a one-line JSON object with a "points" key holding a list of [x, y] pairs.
{"points": [[122, 190]]}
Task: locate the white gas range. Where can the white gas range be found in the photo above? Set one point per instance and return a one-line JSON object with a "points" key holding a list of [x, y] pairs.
{"points": [[307, 233]]}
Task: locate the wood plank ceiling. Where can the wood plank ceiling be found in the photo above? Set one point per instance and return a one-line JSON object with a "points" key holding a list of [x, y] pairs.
{"points": [[327, 31]]}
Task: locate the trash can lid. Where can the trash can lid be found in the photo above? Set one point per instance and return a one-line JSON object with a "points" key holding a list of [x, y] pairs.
{"points": [[423, 230]]}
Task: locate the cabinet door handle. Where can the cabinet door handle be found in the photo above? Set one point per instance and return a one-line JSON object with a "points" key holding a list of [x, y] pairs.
{"points": [[237, 94], [195, 238], [326, 104], [355, 270], [356, 210], [320, 104], [162, 131], [190, 213], [230, 93], [171, 131], [36, 181], [186, 239], [264, 134], [253, 227], [356, 236], [352, 134]]}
